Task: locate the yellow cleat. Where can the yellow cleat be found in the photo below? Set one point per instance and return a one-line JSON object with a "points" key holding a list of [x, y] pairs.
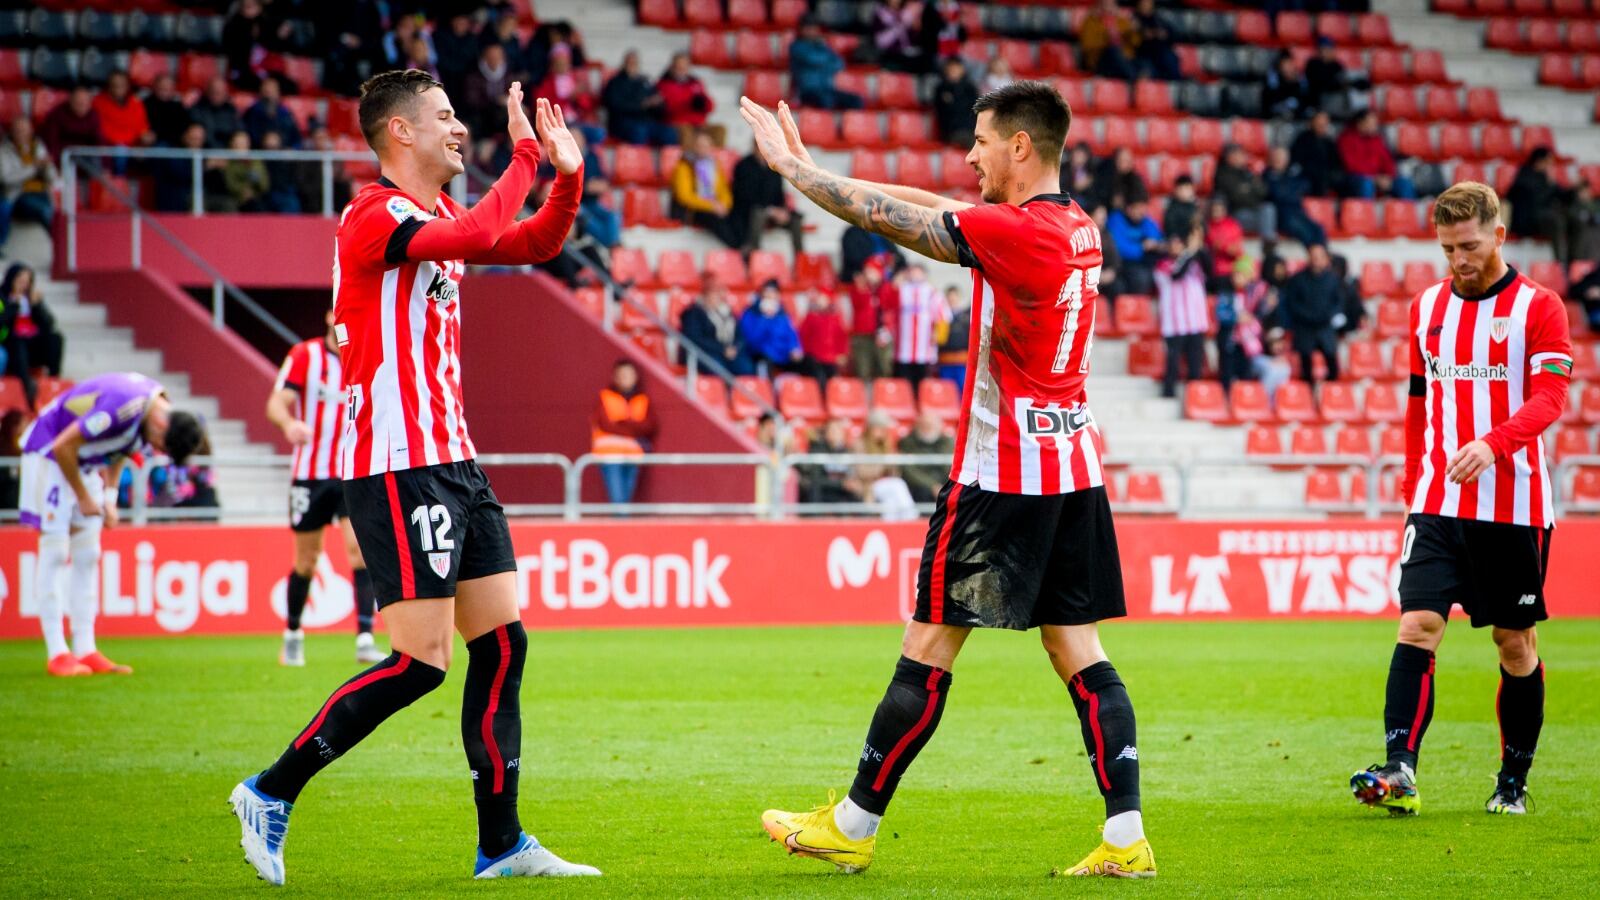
{"points": [[814, 834], [1136, 861]]}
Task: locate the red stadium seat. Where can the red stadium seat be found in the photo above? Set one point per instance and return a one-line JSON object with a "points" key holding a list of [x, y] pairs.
{"points": [[1263, 440], [630, 265], [897, 90], [909, 129], [1558, 70], [1253, 28], [644, 206], [1249, 402], [1572, 442], [765, 266], [1073, 91], [635, 165], [1589, 404], [1171, 166], [1589, 71], [893, 397], [765, 88], [1502, 34], [1442, 103], [1146, 357], [1353, 441], [1418, 277], [1530, 7], [726, 264], [710, 48], [1394, 318], [1551, 274], [815, 272], [1145, 489], [1359, 217], [1205, 136], [1251, 134], [1136, 314], [660, 13], [1055, 57], [739, 401], [1483, 105], [870, 165], [632, 316], [1307, 440], [1401, 103], [712, 393], [748, 13], [1372, 30], [1366, 361], [786, 14], [856, 83], [1583, 36], [1121, 132], [819, 128], [1019, 56], [593, 300], [1389, 67], [1544, 36], [954, 171], [1295, 404], [1585, 365], [1586, 486], [752, 50], [1339, 403], [13, 75], [914, 167], [800, 398], [143, 67], [676, 268], [940, 396], [1427, 67], [195, 69], [1336, 27], [847, 398], [1112, 97], [1153, 98], [1401, 219], [1204, 401], [1415, 139], [1400, 359], [1294, 29], [1377, 280], [1392, 441], [1537, 136], [1323, 489], [1382, 405], [1321, 210]]}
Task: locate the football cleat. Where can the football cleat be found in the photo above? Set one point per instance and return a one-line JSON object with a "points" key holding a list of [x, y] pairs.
{"points": [[1133, 861], [815, 834], [65, 665], [294, 649], [367, 651], [263, 822], [1392, 786], [528, 859], [99, 665], [1510, 797]]}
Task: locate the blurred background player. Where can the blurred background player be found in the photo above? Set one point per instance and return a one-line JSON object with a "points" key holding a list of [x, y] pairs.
{"points": [[72, 458], [1021, 535], [308, 404], [1491, 359], [431, 530]]}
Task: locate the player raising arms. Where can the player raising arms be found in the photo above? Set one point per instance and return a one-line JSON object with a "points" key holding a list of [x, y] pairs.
{"points": [[434, 537], [1491, 358], [307, 404], [1022, 535]]}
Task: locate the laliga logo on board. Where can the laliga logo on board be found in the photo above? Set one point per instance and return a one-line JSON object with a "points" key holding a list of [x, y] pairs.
{"points": [[846, 566], [330, 602]]}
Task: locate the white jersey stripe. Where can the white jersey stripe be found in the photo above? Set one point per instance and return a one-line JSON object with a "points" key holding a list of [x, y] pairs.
{"points": [[385, 402], [1448, 425], [1425, 305]]}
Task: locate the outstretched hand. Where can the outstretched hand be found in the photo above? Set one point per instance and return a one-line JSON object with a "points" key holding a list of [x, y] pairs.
{"points": [[559, 146], [771, 142], [516, 117], [791, 134]]}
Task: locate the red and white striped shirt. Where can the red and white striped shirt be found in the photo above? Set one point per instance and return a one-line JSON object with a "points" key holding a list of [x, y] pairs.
{"points": [[920, 308], [1025, 426], [1479, 359], [313, 372], [398, 324], [1181, 296]]}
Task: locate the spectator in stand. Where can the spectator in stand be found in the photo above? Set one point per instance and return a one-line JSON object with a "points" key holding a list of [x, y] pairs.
{"points": [[1587, 292], [1246, 193], [927, 437], [1353, 308], [1287, 187], [622, 428], [1368, 163], [34, 341], [354, 49], [214, 110], [249, 37], [997, 76], [73, 123], [1224, 239], [1108, 39], [769, 333], [1271, 366], [1180, 279], [823, 339], [686, 103], [1238, 329], [871, 297], [894, 44], [269, 114], [28, 179], [1078, 176], [283, 187], [483, 96], [1156, 55], [1313, 308], [174, 178], [700, 193], [569, 88], [859, 247], [308, 178], [1327, 83], [1583, 224], [505, 33], [953, 98], [760, 202], [1286, 94], [941, 33], [711, 325], [164, 108], [397, 43], [1316, 153], [1536, 203], [419, 56], [634, 107], [244, 181], [546, 38], [123, 121], [1138, 241], [596, 217], [830, 482], [1110, 258], [812, 67], [919, 314], [1118, 182], [883, 488], [454, 51], [957, 337], [1182, 215]]}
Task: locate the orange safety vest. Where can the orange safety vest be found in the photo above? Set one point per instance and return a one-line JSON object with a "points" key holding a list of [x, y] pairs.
{"points": [[620, 408]]}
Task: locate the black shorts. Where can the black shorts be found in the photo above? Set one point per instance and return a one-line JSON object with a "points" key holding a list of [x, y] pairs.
{"points": [[314, 503], [1495, 571], [1019, 561], [422, 530]]}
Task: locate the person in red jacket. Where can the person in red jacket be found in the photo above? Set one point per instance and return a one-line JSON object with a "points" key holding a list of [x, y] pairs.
{"points": [[685, 103], [823, 338], [1369, 163], [569, 89], [123, 122]]}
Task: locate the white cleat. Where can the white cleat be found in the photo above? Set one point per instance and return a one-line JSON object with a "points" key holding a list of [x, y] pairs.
{"points": [[264, 822], [367, 651], [528, 860], [294, 649]]}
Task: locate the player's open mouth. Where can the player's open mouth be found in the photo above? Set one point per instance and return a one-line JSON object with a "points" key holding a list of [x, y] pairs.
{"points": [[454, 147]]}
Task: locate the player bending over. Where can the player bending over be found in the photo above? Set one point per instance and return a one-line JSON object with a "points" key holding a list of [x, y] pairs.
{"points": [[433, 535], [72, 458], [307, 404], [1491, 359], [1022, 535]]}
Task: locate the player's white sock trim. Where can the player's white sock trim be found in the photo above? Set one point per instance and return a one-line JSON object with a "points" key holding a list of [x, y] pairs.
{"points": [[1125, 829], [855, 822], [83, 586], [47, 585]]}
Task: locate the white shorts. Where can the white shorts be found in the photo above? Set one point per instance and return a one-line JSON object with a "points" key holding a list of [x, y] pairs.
{"points": [[46, 501]]}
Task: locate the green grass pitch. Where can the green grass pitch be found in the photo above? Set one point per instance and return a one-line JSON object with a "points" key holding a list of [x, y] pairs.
{"points": [[652, 753]]}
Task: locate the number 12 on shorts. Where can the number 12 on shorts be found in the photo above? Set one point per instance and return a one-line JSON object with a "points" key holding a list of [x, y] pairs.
{"points": [[433, 527]]}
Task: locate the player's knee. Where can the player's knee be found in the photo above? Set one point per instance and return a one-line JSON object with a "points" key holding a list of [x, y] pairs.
{"points": [[1421, 629], [435, 652], [1518, 652]]}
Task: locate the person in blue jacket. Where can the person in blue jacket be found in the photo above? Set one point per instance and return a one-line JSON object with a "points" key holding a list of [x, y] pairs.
{"points": [[768, 332]]}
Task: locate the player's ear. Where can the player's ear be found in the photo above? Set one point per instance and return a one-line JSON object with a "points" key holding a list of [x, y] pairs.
{"points": [[1021, 146], [1499, 234], [400, 130]]}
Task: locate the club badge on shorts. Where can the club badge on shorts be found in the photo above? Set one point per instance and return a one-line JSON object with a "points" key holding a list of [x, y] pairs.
{"points": [[440, 563]]}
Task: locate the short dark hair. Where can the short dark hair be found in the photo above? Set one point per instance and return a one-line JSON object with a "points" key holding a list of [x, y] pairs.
{"points": [[383, 95], [1034, 107], [185, 435]]}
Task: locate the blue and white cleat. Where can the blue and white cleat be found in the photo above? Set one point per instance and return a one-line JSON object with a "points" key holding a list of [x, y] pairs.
{"points": [[527, 859], [264, 821]]}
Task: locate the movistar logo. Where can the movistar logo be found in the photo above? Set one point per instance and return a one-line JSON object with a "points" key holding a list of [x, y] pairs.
{"points": [[1439, 370]]}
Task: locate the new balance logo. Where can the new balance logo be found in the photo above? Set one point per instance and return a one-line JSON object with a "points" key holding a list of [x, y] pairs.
{"points": [[1129, 753], [1527, 600]]}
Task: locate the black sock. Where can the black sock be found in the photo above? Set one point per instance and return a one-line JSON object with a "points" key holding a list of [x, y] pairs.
{"points": [[905, 720], [1520, 706], [350, 714], [1408, 704], [491, 732], [1105, 715], [294, 599], [366, 600]]}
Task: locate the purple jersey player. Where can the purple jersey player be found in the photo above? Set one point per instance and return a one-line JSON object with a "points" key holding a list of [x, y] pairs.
{"points": [[72, 460]]}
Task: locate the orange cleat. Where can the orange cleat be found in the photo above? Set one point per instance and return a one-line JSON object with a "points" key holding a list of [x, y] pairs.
{"points": [[65, 665], [97, 664]]}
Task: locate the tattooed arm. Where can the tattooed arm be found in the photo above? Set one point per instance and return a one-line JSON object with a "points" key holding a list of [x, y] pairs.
{"points": [[911, 225]]}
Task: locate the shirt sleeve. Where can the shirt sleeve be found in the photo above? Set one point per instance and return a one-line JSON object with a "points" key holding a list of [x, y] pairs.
{"points": [[1550, 365], [292, 374], [983, 234]]}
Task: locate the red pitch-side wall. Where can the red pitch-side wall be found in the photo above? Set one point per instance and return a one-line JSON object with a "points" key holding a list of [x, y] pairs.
{"points": [[221, 580]]}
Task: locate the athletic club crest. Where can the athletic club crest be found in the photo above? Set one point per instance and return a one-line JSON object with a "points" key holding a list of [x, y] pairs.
{"points": [[440, 563], [1500, 329]]}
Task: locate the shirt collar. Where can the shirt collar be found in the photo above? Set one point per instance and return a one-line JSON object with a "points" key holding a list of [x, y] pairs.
{"points": [[1494, 290]]}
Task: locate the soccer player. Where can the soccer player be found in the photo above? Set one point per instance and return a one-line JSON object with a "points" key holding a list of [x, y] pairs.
{"points": [[433, 535], [1021, 536], [307, 404], [1491, 359], [72, 457]]}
